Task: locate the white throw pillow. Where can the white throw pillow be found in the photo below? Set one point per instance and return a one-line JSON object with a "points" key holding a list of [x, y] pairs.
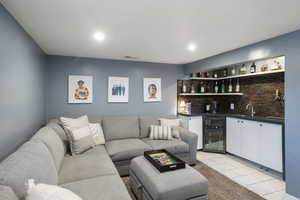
{"points": [[173, 123], [72, 123], [97, 133], [48, 192], [160, 132]]}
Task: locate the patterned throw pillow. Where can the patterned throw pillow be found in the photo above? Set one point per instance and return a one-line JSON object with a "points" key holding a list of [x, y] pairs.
{"points": [[173, 123], [160, 132]]}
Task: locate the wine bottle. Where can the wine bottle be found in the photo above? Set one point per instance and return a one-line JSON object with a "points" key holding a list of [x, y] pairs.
{"points": [[223, 87], [237, 88], [253, 68], [216, 87], [230, 86]]}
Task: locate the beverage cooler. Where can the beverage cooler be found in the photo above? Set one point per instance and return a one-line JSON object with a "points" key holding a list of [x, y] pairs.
{"points": [[214, 134]]}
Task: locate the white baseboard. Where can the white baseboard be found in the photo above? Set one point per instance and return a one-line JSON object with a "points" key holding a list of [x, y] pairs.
{"points": [[289, 197]]}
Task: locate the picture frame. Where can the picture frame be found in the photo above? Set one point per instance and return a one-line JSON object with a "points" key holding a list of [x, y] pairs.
{"points": [[80, 89], [118, 89], [152, 90]]}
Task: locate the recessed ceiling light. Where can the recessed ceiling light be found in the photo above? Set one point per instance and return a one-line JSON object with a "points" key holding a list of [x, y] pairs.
{"points": [[99, 36], [192, 47]]}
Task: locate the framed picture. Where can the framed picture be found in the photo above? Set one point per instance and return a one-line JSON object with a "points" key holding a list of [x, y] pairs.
{"points": [[80, 89], [152, 89], [118, 89]]}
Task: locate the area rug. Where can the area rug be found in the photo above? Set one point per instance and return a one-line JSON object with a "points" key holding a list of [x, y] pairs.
{"points": [[219, 186]]}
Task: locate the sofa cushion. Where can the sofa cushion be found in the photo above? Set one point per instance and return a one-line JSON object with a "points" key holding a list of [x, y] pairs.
{"points": [[120, 128], [31, 161], [53, 142], [93, 119], [173, 146], [145, 123], [6, 193], [110, 187], [92, 163], [126, 149]]}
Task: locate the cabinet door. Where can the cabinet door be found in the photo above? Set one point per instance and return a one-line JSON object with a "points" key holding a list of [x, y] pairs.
{"points": [[233, 137], [196, 126], [271, 146], [250, 140]]}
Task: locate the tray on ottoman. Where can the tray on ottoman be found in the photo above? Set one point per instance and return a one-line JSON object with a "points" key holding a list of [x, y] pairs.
{"points": [[163, 160], [147, 183]]}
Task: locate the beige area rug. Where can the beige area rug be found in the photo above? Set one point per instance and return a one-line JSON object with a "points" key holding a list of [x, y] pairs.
{"points": [[219, 188]]}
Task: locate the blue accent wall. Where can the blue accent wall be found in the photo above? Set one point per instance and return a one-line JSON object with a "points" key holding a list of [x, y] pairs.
{"points": [[59, 68], [288, 45], [22, 108]]}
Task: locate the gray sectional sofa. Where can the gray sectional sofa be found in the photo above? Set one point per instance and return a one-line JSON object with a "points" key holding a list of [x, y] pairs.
{"points": [[95, 174]]}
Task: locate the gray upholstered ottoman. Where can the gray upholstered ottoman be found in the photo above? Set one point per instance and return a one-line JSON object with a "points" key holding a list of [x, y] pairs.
{"points": [[148, 183]]}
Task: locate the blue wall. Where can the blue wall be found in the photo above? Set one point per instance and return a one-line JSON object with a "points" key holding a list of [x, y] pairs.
{"points": [[288, 45], [59, 68], [22, 85]]}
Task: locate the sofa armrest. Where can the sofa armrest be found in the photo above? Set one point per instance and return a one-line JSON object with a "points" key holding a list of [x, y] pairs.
{"points": [[192, 140]]}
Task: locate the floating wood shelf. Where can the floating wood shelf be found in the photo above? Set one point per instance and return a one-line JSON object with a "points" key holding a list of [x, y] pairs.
{"points": [[211, 94], [237, 76]]}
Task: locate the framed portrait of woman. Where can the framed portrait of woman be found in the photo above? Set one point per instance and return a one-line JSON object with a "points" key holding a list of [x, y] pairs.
{"points": [[152, 89]]}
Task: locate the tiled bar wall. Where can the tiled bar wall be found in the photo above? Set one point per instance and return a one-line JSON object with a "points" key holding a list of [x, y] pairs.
{"points": [[259, 90]]}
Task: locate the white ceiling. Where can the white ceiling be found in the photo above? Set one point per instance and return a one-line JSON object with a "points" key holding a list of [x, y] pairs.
{"points": [[154, 31]]}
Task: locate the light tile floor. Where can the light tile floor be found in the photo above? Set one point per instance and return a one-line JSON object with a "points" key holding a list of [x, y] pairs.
{"points": [[266, 184]]}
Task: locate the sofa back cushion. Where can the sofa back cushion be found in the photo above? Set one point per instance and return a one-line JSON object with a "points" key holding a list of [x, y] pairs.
{"points": [[57, 126], [6, 193], [54, 144], [31, 161], [145, 123], [120, 128]]}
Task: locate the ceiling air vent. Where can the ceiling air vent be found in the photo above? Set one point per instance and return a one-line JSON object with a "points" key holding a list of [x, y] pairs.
{"points": [[130, 57]]}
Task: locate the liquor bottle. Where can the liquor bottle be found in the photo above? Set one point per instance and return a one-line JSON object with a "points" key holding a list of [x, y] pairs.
{"points": [[193, 90], [184, 88], [233, 72], [202, 88], [253, 68], [223, 87], [225, 72], [230, 86], [237, 88], [243, 69], [216, 87]]}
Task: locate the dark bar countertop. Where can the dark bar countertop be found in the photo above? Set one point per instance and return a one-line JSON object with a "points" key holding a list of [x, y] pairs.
{"points": [[275, 120]]}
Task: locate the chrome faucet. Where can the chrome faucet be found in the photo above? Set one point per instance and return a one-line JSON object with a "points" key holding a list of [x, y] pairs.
{"points": [[252, 109]]}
